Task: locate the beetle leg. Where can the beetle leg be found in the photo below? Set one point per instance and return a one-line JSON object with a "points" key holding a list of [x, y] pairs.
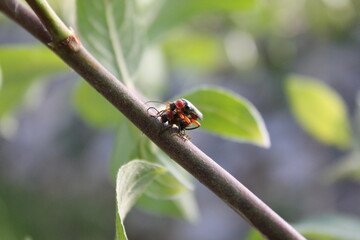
{"points": [[183, 135], [182, 116], [193, 121]]}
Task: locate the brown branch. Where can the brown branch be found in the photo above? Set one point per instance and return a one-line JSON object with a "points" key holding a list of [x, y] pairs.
{"points": [[208, 172], [25, 18]]}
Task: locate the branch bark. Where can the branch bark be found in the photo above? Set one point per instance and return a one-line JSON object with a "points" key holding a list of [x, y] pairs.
{"points": [[20, 13], [202, 167]]}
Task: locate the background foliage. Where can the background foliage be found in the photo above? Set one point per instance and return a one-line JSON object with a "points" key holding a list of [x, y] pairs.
{"points": [[275, 53]]}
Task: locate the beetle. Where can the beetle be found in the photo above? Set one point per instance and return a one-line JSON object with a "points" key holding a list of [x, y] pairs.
{"points": [[181, 113], [186, 107]]}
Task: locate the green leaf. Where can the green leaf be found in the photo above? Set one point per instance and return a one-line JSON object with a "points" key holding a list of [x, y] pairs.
{"points": [[171, 192], [254, 235], [357, 124], [112, 31], [20, 66], [132, 180], [174, 12], [120, 228], [182, 206], [319, 110], [125, 147], [65, 9], [7, 230], [166, 186], [330, 227], [1, 79], [199, 51], [94, 108], [347, 167], [151, 78], [229, 115], [149, 151], [131, 144], [172, 188]]}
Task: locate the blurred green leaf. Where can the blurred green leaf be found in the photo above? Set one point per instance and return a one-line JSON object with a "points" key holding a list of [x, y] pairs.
{"points": [[357, 124], [65, 9], [120, 228], [319, 109], [172, 190], [94, 108], [149, 151], [112, 31], [7, 231], [229, 115], [330, 17], [197, 50], [131, 144], [347, 167], [330, 227], [325, 227], [281, 51], [1, 78], [174, 12], [20, 66], [132, 180], [182, 206], [254, 235], [151, 78], [125, 146], [168, 188], [241, 50], [176, 181]]}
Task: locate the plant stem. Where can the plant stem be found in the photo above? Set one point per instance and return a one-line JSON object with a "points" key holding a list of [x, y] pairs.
{"points": [[58, 30], [25, 18], [207, 171]]}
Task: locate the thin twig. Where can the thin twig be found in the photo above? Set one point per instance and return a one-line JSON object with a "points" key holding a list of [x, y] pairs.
{"points": [[208, 172], [58, 30]]}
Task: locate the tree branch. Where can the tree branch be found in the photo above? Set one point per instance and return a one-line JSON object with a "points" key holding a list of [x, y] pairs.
{"points": [[25, 18], [58, 30], [208, 172]]}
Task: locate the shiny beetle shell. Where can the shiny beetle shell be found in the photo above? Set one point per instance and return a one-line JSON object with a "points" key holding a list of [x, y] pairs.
{"points": [[191, 109]]}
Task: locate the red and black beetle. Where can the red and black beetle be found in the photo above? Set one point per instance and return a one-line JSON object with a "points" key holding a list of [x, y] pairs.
{"points": [[181, 113]]}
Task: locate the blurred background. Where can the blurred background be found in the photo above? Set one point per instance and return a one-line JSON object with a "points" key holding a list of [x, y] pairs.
{"points": [[55, 155]]}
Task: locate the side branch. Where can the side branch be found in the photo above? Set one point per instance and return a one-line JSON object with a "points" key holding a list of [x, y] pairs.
{"points": [[208, 172], [58, 30]]}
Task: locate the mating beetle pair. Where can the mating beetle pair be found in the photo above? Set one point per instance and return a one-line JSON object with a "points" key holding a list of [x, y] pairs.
{"points": [[180, 113]]}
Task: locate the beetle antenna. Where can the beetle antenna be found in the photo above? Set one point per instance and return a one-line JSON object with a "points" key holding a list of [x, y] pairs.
{"points": [[157, 112]]}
